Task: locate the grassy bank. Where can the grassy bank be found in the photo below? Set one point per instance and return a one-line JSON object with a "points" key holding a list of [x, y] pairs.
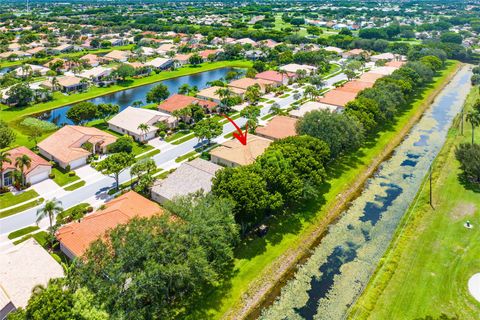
{"points": [[14, 115], [261, 262], [425, 272]]}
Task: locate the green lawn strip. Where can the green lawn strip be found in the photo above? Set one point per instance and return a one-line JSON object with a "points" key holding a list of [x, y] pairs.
{"points": [[21, 208], [177, 135], [148, 154], [182, 140], [254, 257], [186, 156], [22, 232], [268, 116], [70, 210], [60, 100], [62, 177], [434, 253], [40, 237], [9, 199], [74, 186]]}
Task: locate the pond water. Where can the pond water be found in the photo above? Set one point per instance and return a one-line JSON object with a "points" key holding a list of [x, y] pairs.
{"points": [[125, 98], [340, 266]]}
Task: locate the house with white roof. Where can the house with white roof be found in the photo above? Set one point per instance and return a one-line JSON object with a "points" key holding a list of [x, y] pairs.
{"points": [[96, 74], [160, 63], [129, 120]]}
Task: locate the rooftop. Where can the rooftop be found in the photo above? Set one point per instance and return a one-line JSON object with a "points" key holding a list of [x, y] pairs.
{"points": [[180, 101], [36, 160], [235, 152], [130, 118], [278, 128], [311, 106], [338, 98]]}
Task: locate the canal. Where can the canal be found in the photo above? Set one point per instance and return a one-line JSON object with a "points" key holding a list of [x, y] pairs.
{"points": [[125, 98], [340, 266]]}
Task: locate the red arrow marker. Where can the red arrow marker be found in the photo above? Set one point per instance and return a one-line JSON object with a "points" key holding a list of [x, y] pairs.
{"points": [[239, 135]]}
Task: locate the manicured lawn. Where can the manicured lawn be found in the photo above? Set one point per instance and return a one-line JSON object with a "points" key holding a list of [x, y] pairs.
{"points": [[177, 135], [186, 156], [427, 272], [40, 237], [22, 232], [149, 154], [69, 211], [182, 140], [254, 257], [8, 199], [75, 186], [21, 208], [62, 177]]}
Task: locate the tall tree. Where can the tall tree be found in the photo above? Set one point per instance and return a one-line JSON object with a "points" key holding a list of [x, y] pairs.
{"points": [[158, 94], [7, 135], [473, 117], [21, 162], [115, 164], [50, 209], [207, 129]]}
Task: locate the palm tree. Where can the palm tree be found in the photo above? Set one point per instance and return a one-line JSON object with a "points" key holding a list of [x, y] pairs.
{"points": [[21, 162], [143, 127], [50, 210], [55, 83], [137, 103], [4, 157], [224, 94], [474, 118]]}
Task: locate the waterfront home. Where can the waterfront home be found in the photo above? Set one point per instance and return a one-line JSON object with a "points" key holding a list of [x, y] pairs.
{"points": [[38, 170], [245, 83], [96, 74], [129, 120], [76, 237], [190, 177], [72, 145], [206, 54], [210, 93], [311, 106], [278, 127], [233, 153], [65, 84], [23, 268], [181, 59], [180, 101], [160, 63], [278, 77]]}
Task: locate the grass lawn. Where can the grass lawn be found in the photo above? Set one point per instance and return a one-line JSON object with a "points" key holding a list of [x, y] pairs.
{"points": [[255, 258], [22, 232], [21, 208], [41, 238], [8, 199], [427, 272], [182, 140], [75, 186], [62, 177], [69, 211], [186, 156], [149, 154], [177, 135]]}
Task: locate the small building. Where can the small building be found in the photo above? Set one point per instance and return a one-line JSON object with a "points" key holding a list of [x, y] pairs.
{"points": [[190, 177], [22, 268], [72, 145], [160, 63], [38, 170], [275, 76], [65, 84], [210, 93], [129, 120], [232, 153], [180, 101], [311, 106], [244, 83], [117, 55], [76, 237], [278, 127]]}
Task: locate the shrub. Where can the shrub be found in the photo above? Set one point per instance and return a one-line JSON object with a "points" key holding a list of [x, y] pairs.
{"points": [[89, 209], [71, 173], [51, 176], [123, 144], [67, 168]]}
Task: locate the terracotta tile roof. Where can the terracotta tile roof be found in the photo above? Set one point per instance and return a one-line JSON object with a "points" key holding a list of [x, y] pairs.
{"points": [[210, 93], [355, 86], [370, 77], [182, 57], [77, 236], [276, 76], [66, 143], [36, 160], [278, 128], [338, 98], [396, 64], [180, 101], [117, 55], [91, 59], [205, 53], [234, 151], [244, 83]]}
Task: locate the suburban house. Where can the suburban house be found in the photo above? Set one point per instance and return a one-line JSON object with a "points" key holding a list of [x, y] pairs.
{"points": [[39, 169], [91, 59], [387, 56], [76, 237], [31, 69], [71, 145], [278, 127], [181, 59], [22, 268], [65, 84], [96, 74], [333, 49], [117, 55], [275, 76], [244, 83], [355, 86], [205, 54], [338, 98], [37, 94], [210, 93], [311, 106], [61, 48], [294, 68], [370, 77], [160, 63], [129, 120], [190, 177], [180, 101], [232, 153], [354, 53]]}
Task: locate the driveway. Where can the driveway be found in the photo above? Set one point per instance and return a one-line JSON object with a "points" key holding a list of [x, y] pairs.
{"points": [[88, 174], [47, 187]]}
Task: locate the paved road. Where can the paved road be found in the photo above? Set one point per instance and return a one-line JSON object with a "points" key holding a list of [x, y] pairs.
{"points": [[96, 189]]}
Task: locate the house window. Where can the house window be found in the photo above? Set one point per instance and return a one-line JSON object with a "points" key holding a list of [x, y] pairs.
{"points": [[8, 178]]}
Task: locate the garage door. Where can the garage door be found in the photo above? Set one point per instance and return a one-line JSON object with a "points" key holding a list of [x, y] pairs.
{"points": [[39, 177]]}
